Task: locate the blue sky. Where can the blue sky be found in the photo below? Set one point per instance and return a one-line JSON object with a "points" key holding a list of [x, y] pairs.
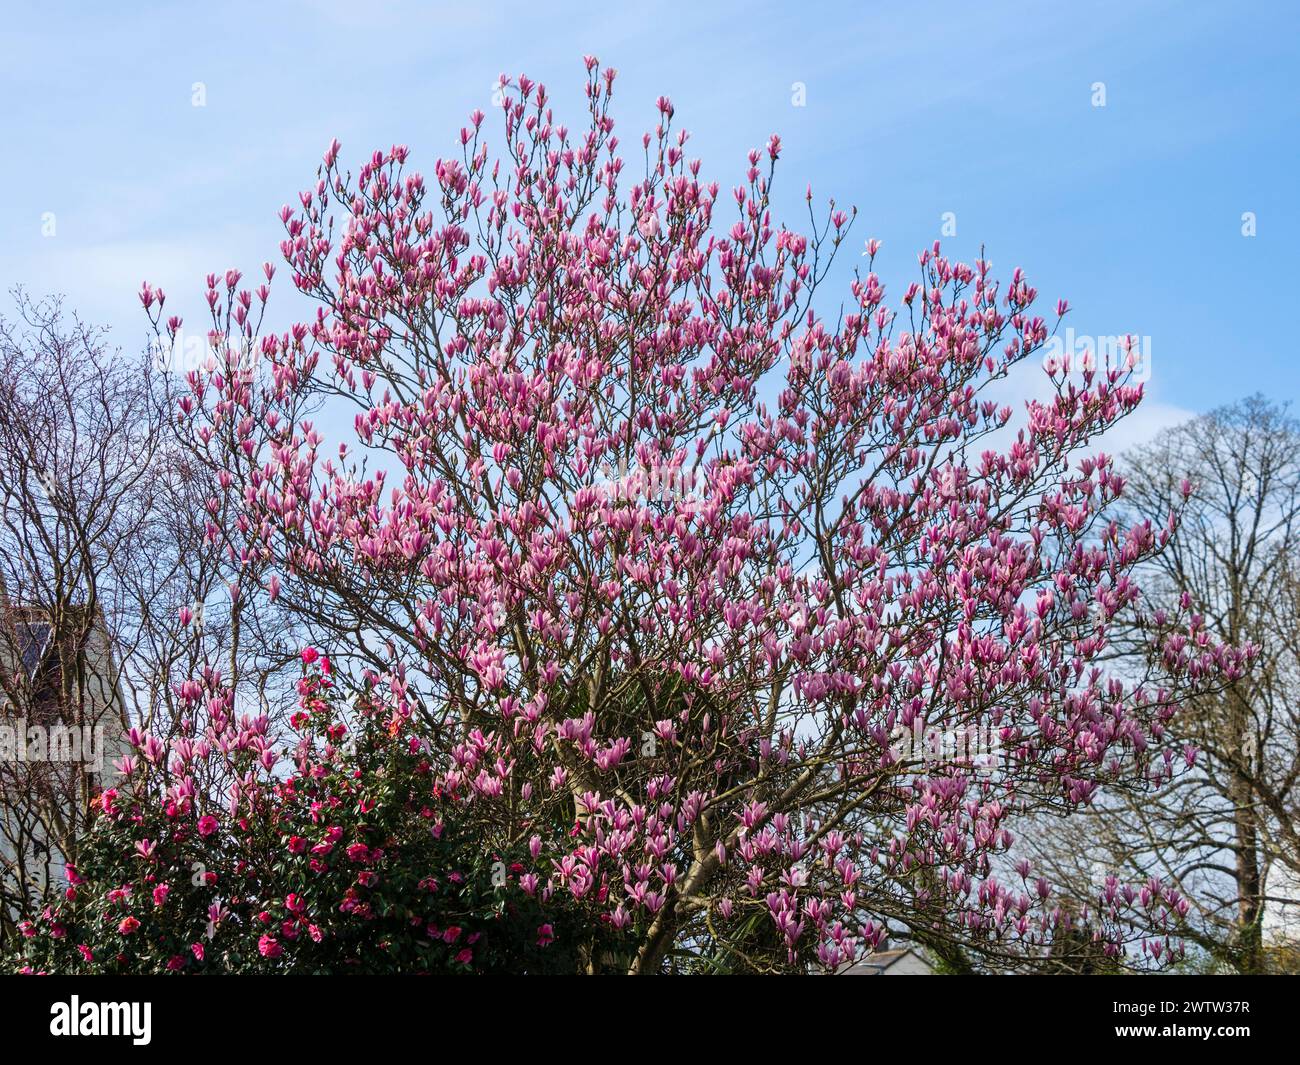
{"points": [[1133, 211]]}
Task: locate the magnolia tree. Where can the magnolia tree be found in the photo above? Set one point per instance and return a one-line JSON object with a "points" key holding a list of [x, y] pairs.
{"points": [[659, 566]]}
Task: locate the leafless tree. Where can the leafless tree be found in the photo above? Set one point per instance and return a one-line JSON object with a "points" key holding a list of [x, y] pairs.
{"points": [[1228, 830], [106, 564]]}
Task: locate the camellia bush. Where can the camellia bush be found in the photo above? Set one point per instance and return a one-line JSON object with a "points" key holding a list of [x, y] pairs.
{"points": [[650, 563], [337, 855]]}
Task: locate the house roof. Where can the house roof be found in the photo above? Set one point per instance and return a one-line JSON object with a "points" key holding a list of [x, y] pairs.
{"points": [[883, 961]]}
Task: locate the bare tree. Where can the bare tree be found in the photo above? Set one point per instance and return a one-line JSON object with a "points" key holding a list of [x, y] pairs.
{"points": [[1227, 831], [107, 565]]}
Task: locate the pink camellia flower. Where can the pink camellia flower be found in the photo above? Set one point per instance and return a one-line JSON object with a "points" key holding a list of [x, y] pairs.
{"points": [[309, 655], [207, 825], [128, 925], [465, 956], [175, 963], [297, 844], [268, 947], [85, 952], [160, 894], [358, 852], [545, 935], [197, 950]]}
